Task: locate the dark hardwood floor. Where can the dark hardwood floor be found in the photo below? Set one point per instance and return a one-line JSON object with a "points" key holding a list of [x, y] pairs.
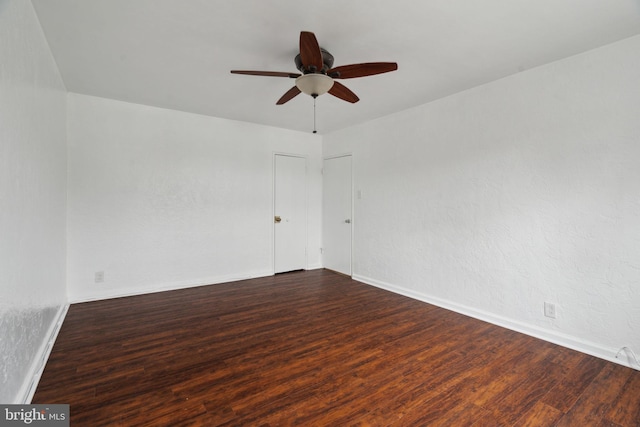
{"points": [[318, 349]]}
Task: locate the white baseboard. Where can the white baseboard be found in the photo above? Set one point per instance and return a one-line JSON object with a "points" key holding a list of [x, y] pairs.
{"points": [[169, 286], [32, 379], [173, 286], [554, 337]]}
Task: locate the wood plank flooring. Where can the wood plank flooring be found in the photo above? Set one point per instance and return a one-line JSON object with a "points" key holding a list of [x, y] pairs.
{"points": [[318, 349]]}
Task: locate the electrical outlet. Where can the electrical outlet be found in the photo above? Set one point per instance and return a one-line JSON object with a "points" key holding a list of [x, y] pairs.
{"points": [[99, 277], [550, 310]]}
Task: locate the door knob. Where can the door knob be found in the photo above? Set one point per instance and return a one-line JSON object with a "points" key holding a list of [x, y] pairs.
{"points": [[277, 219], [347, 221]]}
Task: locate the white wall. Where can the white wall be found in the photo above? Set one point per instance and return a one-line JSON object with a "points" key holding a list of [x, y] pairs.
{"points": [[161, 199], [492, 201], [32, 198]]}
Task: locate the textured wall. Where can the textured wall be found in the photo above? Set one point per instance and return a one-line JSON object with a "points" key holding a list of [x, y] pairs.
{"points": [[161, 199], [32, 196], [500, 198]]}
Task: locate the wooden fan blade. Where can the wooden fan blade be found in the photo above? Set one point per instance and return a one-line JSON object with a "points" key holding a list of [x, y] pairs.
{"points": [[310, 52], [341, 91], [361, 70], [266, 73], [291, 93]]}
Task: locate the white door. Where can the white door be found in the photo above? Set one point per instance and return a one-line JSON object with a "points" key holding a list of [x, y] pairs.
{"points": [[336, 215], [290, 213]]}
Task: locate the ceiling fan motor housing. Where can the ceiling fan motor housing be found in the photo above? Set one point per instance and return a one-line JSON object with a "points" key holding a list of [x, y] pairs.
{"points": [[327, 61]]}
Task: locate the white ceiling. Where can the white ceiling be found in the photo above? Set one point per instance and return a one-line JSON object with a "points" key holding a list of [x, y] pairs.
{"points": [[177, 53]]}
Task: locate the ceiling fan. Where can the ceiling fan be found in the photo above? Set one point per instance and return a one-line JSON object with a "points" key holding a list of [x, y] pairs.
{"points": [[318, 76]]}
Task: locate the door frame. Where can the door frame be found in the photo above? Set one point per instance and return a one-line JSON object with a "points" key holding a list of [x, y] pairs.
{"points": [[273, 207], [352, 207]]}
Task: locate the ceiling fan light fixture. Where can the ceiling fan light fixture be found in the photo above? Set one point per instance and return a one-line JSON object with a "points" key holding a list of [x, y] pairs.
{"points": [[314, 84]]}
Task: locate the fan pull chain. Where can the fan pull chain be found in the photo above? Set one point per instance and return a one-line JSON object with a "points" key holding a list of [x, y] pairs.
{"points": [[314, 114]]}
